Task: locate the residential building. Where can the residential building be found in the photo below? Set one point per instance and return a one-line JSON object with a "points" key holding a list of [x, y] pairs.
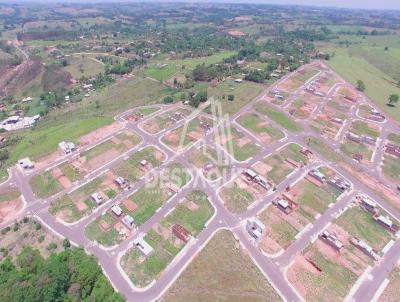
{"points": [[180, 232], [339, 183], [368, 139], [97, 198], [250, 173], [255, 228], [331, 240], [116, 209], [128, 221], [364, 247], [67, 147], [318, 175], [337, 120], [369, 204], [392, 149], [121, 182], [11, 120], [143, 246], [263, 182], [284, 205], [354, 137]]}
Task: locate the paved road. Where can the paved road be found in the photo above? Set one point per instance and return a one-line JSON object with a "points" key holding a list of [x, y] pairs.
{"points": [[273, 269]]}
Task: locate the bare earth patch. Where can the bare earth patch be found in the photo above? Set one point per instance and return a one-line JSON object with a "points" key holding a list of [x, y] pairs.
{"points": [[99, 134]]}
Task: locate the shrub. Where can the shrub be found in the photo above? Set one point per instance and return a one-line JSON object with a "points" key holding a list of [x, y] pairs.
{"points": [[52, 246], [41, 238], [38, 226]]}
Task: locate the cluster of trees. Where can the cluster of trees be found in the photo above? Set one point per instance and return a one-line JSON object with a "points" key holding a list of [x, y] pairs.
{"points": [[102, 80], [360, 85], [124, 67], [310, 34], [258, 76], [198, 40], [393, 100], [196, 98], [71, 275], [205, 72], [5, 147], [361, 32]]}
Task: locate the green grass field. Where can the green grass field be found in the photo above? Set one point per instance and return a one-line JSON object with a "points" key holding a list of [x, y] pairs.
{"points": [[149, 198], [73, 173], [44, 185], [332, 284], [142, 272], [357, 65], [213, 59], [240, 151], [361, 127], [236, 199], [66, 205], [43, 141], [182, 136], [278, 117], [83, 66], [394, 138], [130, 169], [107, 237], [148, 201], [161, 74], [282, 231], [192, 220], [84, 117], [314, 197], [205, 154], [391, 168], [255, 124], [166, 247], [243, 92], [9, 194], [358, 222]]}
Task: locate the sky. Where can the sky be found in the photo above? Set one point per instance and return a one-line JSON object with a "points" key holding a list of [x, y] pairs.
{"points": [[369, 4], [366, 4]]}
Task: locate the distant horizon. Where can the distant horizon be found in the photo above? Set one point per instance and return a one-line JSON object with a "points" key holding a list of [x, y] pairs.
{"points": [[346, 4]]}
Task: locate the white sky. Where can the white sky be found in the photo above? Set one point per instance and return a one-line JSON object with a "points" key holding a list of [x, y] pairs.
{"points": [[367, 4]]}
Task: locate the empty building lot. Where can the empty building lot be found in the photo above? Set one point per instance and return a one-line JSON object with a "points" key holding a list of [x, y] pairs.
{"points": [[164, 120], [190, 132], [361, 140], [297, 208], [236, 143], [213, 163], [167, 238], [355, 241], [260, 127], [72, 206]]}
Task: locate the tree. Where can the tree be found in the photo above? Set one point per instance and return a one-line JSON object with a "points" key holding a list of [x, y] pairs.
{"points": [[393, 99], [66, 244], [168, 99], [71, 275], [231, 97], [360, 85]]}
